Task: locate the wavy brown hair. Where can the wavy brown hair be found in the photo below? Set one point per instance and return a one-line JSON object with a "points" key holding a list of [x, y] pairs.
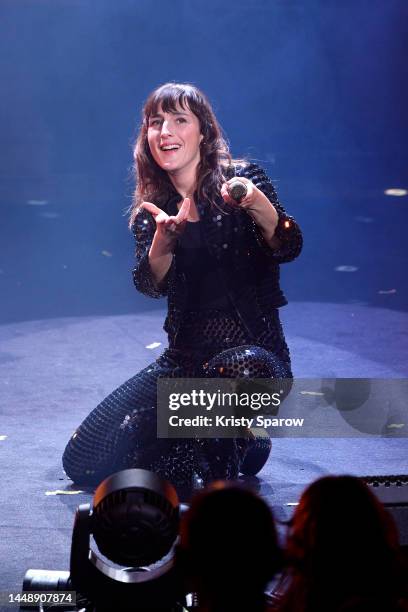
{"points": [[152, 182], [342, 546]]}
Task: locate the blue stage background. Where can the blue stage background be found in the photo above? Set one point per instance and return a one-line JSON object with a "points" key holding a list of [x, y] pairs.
{"points": [[315, 91]]}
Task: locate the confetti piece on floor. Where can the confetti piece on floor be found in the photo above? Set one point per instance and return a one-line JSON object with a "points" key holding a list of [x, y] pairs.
{"points": [[37, 202], [311, 393], [387, 291], [364, 219], [346, 269], [3, 437], [49, 215], [396, 192], [59, 492], [107, 253], [153, 345], [292, 504], [396, 425]]}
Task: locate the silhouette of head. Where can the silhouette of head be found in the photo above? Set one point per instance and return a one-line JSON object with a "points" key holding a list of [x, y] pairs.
{"points": [[228, 545], [342, 541]]}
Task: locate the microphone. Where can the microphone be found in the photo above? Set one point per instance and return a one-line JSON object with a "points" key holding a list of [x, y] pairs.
{"points": [[237, 190]]}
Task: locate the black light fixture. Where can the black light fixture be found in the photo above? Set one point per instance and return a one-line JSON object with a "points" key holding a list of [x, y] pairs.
{"points": [[122, 548]]}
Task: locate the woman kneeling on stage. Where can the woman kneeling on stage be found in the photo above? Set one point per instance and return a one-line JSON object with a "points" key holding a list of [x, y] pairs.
{"points": [[216, 257]]}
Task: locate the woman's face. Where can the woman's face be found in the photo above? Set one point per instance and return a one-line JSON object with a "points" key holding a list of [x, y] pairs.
{"points": [[174, 139]]}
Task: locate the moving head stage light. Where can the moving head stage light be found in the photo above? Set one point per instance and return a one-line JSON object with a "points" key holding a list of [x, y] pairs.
{"points": [[134, 522]]}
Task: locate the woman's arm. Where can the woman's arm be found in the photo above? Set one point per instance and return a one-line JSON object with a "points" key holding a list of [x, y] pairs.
{"points": [[262, 211], [277, 233], [144, 277], [156, 236], [160, 263]]}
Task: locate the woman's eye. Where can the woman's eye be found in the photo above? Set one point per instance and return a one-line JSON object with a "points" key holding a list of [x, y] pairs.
{"points": [[154, 122], [181, 120]]}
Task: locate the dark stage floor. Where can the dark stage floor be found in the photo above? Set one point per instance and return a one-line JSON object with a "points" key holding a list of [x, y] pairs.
{"points": [[53, 372]]}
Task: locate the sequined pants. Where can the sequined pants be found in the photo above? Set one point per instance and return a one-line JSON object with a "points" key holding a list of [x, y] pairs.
{"points": [[120, 432]]}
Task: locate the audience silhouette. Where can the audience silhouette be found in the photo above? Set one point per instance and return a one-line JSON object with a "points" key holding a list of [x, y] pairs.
{"points": [[228, 549], [342, 552]]}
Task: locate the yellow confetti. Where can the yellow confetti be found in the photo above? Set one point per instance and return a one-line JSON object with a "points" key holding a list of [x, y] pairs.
{"points": [[3, 437], [107, 253], [59, 492]]}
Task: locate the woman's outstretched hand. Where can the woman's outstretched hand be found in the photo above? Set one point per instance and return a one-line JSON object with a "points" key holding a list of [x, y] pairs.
{"points": [[168, 230], [168, 227]]}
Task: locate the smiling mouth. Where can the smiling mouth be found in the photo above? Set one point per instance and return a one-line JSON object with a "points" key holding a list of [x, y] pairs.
{"points": [[172, 147]]}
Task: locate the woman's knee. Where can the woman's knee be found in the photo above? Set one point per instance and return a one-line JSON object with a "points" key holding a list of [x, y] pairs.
{"points": [[248, 361]]}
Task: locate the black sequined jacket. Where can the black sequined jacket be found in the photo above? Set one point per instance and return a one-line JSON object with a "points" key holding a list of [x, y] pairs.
{"points": [[249, 267]]}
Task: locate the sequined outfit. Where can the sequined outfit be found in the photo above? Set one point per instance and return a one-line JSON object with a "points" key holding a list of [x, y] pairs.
{"points": [[239, 338]]}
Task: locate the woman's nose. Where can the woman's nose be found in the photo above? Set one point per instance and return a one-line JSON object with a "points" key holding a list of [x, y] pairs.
{"points": [[166, 130]]}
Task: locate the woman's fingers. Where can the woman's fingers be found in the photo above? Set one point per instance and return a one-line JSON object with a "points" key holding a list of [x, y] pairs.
{"points": [[152, 208], [184, 210], [169, 222], [174, 227], [171, 225], [226, 196], [162, 217]]}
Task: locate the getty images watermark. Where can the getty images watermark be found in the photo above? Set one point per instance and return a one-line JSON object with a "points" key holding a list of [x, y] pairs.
{"points": [[342, 407], [221, 408], [224, 401]]}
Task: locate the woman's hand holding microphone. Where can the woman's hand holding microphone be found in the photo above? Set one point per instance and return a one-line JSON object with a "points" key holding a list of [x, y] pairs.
{"points": [[242, 193]]}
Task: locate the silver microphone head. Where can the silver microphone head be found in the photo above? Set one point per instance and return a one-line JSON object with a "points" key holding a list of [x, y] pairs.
{"points": [[237, 190]]}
